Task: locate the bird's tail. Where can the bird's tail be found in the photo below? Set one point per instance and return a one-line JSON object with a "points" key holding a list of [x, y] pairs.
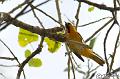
{"points": [[97, 59]]}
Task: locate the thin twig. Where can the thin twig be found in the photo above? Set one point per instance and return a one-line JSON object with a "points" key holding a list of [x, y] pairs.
{"points": [[3, 75], [68, 67], [37, 51], [19, 14], [118, 1], [13, 56], [93, 74], [68, 60], [116, 70], [80, 71], [48, 15], [94, 21], [36, 16], [73, 68], [37, 6], [58, 10], [113, 55], [8, 65], [100, 6], [94, 68], [10, 51], [112, 73], [114, 13], [77, 14], [17, 7], [70, 63], [97, 31], [74, 61], [7, 58], [88, 70], [104, 44]]}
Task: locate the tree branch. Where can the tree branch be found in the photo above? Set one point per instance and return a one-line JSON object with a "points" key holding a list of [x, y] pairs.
{"points": [[51, 33], [37, 51], [100, 6]]}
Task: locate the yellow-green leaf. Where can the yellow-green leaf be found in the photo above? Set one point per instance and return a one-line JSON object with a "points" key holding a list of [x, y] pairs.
{"points": [[92, 42], [53, 46], [35, 62], [27, 53], [25, 37], [91, 8]]}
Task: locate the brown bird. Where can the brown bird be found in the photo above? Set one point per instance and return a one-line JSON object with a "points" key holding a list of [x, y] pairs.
{"points": [[76, 44]]}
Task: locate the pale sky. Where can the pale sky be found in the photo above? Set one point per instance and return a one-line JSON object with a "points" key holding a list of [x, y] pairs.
{"points": [[54, 64]]}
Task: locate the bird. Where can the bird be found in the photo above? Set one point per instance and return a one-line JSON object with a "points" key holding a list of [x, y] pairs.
{"points": [[77, 45]]}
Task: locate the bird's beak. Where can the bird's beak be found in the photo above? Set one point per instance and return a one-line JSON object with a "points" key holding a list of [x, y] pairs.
{"points": [[65, 23]]}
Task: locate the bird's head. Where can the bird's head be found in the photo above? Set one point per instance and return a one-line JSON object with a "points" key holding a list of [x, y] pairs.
{"points": [[69, 27]]}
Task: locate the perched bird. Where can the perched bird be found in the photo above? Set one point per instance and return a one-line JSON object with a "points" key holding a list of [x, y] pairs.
{"points": [[76, 45]]}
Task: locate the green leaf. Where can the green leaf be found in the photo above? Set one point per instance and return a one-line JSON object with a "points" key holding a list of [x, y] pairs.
{"points": [[25, 37], [91, 8], [92, 42], [27, 53], [53, 46], [35, 62]]}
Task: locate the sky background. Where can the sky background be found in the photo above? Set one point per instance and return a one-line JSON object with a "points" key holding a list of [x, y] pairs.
{"points": [[53, 65]]}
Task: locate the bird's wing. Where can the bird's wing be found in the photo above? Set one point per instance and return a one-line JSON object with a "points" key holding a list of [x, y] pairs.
{"points": [[79, 56]]}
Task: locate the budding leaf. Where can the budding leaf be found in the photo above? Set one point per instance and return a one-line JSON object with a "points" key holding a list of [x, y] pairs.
{"points": [[27, 53], [25, 37], [35, 62], [53, 46], [92, 42], [91, 8]]}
